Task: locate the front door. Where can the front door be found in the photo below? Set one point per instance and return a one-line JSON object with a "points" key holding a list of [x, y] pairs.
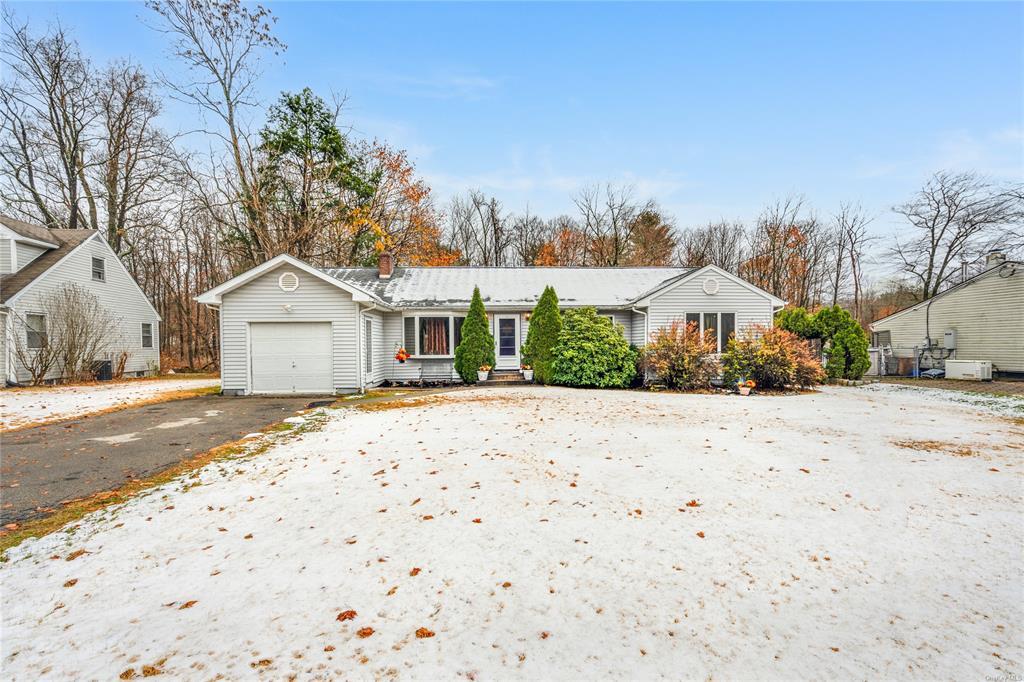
{"points": [[506, 341]]}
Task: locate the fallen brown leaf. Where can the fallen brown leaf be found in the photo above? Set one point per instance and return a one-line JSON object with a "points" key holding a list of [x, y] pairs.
{"points": [[71, 583], [346, 615], [188, 604], [414, 571], [700, 534], [363, 633], [423, 633]]}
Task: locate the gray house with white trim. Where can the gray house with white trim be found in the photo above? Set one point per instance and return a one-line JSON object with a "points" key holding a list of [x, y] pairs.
{"points": [[288, 327], [36, 263]]}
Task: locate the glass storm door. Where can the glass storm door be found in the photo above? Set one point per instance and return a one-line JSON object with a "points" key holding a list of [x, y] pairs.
{"points": [[506, 340]]}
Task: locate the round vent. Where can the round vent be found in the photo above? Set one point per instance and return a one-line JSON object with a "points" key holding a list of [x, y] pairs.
{"points": [[288, 281], [710, 286]]}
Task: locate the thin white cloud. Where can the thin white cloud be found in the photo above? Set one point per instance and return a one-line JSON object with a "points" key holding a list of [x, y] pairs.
{"points": [[996, 153]]}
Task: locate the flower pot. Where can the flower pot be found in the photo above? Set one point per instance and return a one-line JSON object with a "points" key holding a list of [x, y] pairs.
{"points": [[744, 390], [528, 374], [481, 376]]}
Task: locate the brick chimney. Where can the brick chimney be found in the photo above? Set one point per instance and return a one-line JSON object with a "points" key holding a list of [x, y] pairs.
{"points": [[385, 265]]}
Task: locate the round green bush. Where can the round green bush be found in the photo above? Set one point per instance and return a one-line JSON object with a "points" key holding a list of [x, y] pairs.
{"points": [[591, 352]]}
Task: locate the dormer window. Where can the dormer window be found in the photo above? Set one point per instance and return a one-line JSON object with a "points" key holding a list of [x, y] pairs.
{"points": [[99, 269]]}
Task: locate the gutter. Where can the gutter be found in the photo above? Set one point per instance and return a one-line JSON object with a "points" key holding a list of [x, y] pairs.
{"points": [[647, 330]]}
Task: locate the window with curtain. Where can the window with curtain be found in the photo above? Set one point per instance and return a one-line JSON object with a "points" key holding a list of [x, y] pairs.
{"points": [[434, 336], [457, 330]]}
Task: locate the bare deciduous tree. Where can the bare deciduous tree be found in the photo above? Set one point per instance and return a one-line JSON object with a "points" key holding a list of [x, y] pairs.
{"points": [[955, 216], [722, 244], [608, 218]]}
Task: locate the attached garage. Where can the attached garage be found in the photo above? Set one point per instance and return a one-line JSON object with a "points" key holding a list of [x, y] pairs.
{"points": [[291, 357]]}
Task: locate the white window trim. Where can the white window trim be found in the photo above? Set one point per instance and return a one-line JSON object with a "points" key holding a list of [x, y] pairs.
{"points": [[102, 270], [718, 316], [414, 353], [46, 328], [152, 339]]}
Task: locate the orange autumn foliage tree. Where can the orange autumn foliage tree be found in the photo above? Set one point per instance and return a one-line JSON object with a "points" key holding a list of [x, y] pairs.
{"points": [[401, 216]]}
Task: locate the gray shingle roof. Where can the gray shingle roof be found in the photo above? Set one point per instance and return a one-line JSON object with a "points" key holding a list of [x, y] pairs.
{"points": [[65, 239], [453, 286], [37, 232]]}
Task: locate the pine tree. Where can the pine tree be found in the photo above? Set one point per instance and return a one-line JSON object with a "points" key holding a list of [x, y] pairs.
{"points": [[477, 347], [545, 325]]}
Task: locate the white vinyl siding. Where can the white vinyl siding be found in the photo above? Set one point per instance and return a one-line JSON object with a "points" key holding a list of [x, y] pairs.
{"points": [[28, 253], [119, 295], [750, 307], [6, 246], [987, 315], [262, 300]]}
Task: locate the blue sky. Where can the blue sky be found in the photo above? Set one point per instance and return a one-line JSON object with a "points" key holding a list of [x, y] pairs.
{"points": [[712, 109]]}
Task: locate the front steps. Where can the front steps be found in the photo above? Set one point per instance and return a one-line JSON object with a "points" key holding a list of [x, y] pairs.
{"points": [[505, 378]]}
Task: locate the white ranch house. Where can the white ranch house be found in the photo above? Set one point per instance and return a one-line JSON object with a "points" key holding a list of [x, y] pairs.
{"points": [[288, 327], [35, 262]]}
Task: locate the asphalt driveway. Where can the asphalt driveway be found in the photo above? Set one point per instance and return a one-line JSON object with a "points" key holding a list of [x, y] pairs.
{"points": [[44, 466]]}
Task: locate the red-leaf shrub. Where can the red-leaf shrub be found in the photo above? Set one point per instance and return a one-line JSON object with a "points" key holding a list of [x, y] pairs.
{"points": [[682, 357], [774, 358]]}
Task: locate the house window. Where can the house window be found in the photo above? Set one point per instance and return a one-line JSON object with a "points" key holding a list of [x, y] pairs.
{"points": [[368, 349], [457, 327], [147, 335], [434, 335], [883, 338], [722, 325], [99, 269], [35, 330]]}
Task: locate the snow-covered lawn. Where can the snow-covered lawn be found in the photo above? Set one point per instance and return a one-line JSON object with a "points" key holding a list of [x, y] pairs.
{"points": [[546, 533], [20, 407]]}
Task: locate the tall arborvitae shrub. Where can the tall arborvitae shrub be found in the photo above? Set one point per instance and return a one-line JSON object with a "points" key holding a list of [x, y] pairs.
{"points": [[545, 325], [477, 346]]}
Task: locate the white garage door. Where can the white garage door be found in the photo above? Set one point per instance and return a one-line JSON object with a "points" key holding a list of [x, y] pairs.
{"points": [[291, 357]]}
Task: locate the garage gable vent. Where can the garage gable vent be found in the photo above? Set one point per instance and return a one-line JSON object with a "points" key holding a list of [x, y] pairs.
{"points": [[710, 286], [288, 281]]}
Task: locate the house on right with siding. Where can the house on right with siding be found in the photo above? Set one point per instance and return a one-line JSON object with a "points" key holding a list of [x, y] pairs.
{"points": [[979, 319]]}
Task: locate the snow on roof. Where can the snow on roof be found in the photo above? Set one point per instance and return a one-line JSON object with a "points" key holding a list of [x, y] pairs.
{"points": [[453, 286]]}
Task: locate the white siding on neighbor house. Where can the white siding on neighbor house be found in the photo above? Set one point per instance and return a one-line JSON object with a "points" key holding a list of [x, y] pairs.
{"points": [[5, 256], [3, 348], [27, 253], [987, 314], [119, 295], [751, 308], [262, 300]]}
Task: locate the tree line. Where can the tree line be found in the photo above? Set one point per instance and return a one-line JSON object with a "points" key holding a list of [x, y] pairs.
{"points": [[81, 147]]}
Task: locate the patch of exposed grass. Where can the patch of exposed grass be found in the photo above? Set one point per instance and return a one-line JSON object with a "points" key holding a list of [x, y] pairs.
{"points": [[955, 449], [152, 400], [75, 510]]}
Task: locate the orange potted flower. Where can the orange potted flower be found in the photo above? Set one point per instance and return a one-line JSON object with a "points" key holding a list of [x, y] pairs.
{"points": [[745, 386], [481, 374]]}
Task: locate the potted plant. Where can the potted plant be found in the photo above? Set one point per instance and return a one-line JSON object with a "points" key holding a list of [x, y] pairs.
{"points": [[481, 374], [402, 355], [527, 371], [744, 386]]}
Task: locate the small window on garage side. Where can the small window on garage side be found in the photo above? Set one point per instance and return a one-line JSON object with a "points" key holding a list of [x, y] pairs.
{"points": [[147, 335], [728, 330], [99, 269], [35, 330], [368, 349]]}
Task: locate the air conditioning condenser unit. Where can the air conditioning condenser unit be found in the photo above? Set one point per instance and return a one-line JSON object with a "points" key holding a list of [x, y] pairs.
{"points": [[970, 370]]}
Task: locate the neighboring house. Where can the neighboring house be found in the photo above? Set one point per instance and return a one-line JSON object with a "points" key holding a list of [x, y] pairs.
{"points": [[288, 327], [985, 314], [36, 263]]}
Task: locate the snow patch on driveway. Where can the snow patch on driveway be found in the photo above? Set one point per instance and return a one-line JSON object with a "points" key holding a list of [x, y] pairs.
{"points": [[27, 406], [557, 534]]}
